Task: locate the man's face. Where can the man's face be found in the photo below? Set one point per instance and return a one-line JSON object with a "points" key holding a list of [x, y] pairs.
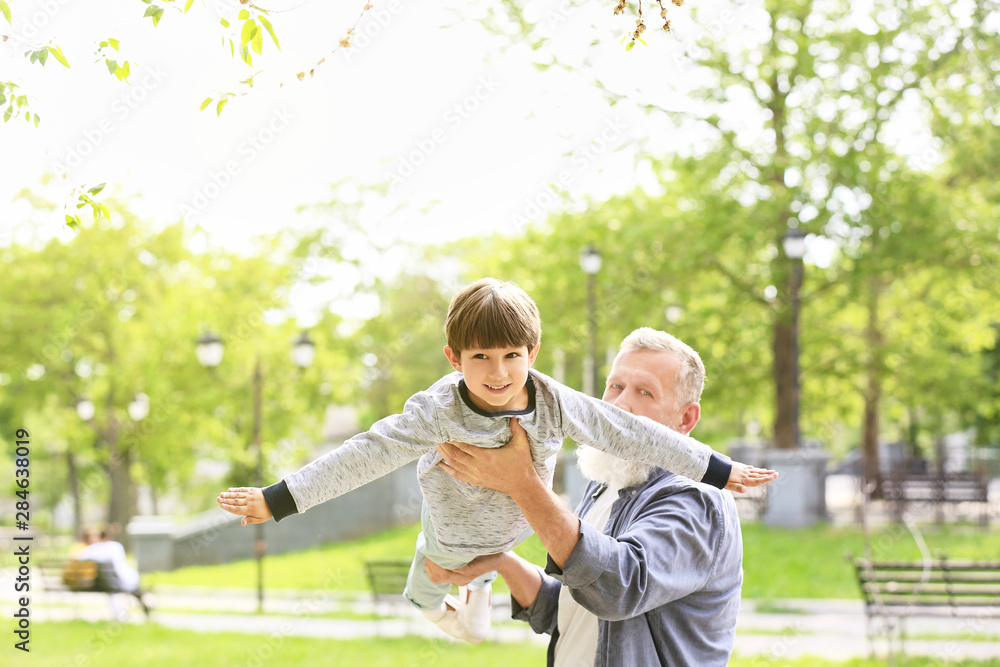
{"points": [[643, 382]]}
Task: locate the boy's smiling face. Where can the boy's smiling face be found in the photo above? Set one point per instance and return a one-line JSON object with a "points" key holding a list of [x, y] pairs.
{"points": [[495, 376]]}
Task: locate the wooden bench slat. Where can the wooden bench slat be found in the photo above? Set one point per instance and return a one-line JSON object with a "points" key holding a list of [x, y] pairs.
{"points": [[935, 588]]}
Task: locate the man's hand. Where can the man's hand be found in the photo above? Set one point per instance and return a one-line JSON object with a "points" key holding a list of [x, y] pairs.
{"points": [[247, 502], [461, 576], [743, 476], [507, 469]]}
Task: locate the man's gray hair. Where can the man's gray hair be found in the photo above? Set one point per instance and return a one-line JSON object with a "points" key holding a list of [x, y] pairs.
{"points": [[690, 378]]}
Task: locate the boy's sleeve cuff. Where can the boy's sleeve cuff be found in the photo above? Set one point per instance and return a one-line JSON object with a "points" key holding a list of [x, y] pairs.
{"points": [[279, 500], [718, 471]]}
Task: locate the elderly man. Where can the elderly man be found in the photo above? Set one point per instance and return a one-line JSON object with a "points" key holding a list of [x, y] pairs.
{"points": [[649, 569]]}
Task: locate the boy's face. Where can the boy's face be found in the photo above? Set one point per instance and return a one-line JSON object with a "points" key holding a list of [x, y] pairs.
{"points": [[495, 376]]}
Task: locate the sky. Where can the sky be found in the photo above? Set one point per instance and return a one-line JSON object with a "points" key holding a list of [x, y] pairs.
{"points": [[444, 114], [468, 133]]}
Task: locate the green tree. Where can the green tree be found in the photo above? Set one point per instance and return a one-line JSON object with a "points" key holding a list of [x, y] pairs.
{"points": [[114, 312]]}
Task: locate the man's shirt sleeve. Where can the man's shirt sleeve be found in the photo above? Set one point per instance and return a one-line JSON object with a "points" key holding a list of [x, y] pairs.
{"points": [[667, 552], [543, 614]]}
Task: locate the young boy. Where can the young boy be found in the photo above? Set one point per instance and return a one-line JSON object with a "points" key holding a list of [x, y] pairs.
{"points": [[493, 330]]}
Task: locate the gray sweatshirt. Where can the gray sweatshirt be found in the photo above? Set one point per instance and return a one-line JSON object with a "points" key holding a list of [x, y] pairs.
{"points": [[468, 519]]}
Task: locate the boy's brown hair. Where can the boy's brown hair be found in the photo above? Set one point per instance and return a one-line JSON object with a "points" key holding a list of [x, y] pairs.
{"points": [[491, 313]]}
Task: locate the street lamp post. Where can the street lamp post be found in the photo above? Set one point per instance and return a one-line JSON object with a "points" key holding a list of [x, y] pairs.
{"points": [[590, 262], [209, 349]]}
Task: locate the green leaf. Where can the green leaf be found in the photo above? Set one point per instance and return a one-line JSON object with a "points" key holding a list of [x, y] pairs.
{"points": [[643, 41], [3, 99], [187, 5], [258, 40], [96, 189], [105, 211], [270, 31], [36, 119], [57, 52], [123, 72], [249, 30], [6, 116], [43, 55], [218, 107], [73, 222], [224, 22], [243, 15], [154, 12], [114, 43], [205, 103], [112, 66], [245, 55], [630, 45], [5, 10]]}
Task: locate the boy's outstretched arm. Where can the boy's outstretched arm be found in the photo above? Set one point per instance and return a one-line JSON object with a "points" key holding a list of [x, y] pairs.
{"points": [[743, 476], [247, 502]]}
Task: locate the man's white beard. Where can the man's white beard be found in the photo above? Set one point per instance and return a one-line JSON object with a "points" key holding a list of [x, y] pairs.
{"points": [[603, 467]]}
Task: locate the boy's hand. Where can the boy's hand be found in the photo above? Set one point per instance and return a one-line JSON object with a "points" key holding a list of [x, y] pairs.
{"points": [[743, 476], [249, 503]]}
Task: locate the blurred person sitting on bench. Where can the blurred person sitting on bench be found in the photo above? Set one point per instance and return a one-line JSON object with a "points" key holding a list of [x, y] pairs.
{"points": [[103, 550]]}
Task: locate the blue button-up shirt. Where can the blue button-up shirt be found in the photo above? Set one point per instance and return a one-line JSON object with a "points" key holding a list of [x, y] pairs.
{"points": [[663, 579]]}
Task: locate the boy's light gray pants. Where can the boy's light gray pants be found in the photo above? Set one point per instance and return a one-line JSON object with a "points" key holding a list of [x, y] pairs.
{"points": [[420, 590]]}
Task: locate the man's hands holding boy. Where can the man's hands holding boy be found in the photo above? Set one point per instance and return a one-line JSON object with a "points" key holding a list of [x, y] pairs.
{"points": [[247, 502], [506, 469]]}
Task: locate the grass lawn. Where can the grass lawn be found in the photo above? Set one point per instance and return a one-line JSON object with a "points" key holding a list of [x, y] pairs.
{"points": [[810, 562], [113, 645], [778, 563]]}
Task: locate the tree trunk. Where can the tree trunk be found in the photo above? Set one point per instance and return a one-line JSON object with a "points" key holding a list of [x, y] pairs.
{"points": [[121, 501], [785, 386], [74, 490], [786, 365], [873, 392]]}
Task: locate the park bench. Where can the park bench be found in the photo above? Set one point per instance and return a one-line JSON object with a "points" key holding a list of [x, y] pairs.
{"points": [[896, 590], [80, 576], [903, 489], [387, 579]]}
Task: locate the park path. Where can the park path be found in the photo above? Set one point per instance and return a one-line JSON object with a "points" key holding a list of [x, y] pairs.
{"points": [[831, 629]]}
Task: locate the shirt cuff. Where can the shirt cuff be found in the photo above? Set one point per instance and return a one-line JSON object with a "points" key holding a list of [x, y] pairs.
{"points": [[718, 471], [279, 500], [542, 614], [588, 561]]}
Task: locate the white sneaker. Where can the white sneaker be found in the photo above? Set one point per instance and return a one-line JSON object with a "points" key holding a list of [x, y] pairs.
{"points": [[446, 617], [474, 612]]}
